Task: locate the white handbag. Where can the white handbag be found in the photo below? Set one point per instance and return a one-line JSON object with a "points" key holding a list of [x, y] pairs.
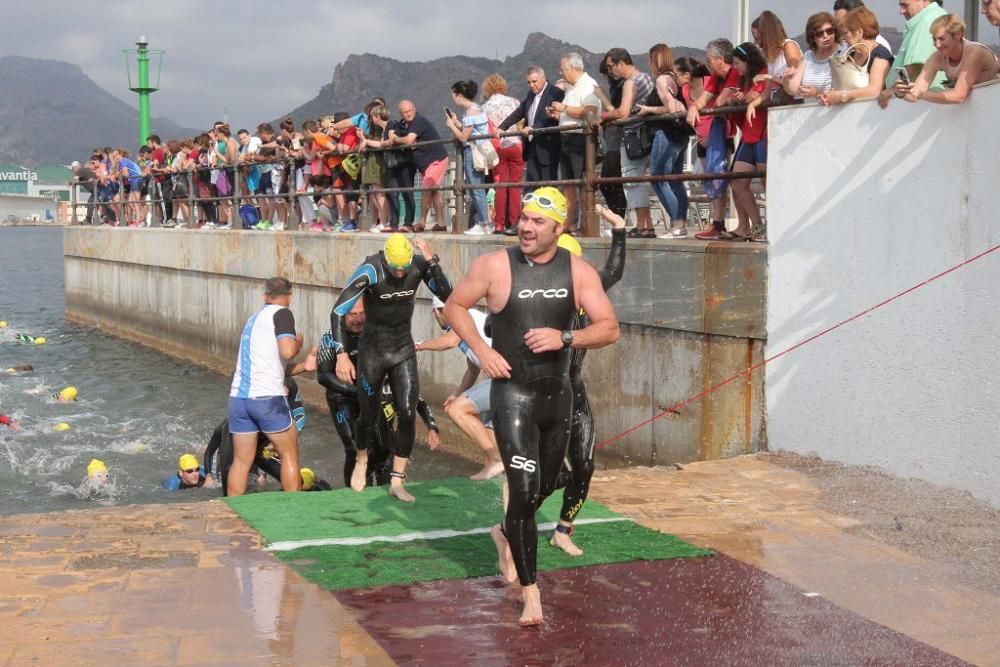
{"points": [[484, 156], [847, 74]]}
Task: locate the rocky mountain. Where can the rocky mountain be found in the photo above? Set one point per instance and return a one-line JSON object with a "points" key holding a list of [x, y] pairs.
{"points": [[361, 77], [52, 113]]}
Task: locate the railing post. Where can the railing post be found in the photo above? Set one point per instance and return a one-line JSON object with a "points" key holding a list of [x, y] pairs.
{"points": [[292, 222], [588, 213], [364, 220], [237, 221], [72, 203], [191, 222], [460, 217]]}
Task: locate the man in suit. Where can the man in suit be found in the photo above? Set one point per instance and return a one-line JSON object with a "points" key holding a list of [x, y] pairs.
{"points": [[541, 152]]}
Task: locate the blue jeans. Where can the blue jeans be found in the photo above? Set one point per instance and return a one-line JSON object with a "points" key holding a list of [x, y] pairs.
{"points": [[473, 177], [666, 157]]}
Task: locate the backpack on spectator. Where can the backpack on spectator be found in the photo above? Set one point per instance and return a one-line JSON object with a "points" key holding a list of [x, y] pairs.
{"points": [[249, 215]]}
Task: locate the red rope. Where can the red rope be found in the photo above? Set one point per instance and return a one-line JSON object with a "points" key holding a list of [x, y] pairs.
{"points": [[747, 371]]}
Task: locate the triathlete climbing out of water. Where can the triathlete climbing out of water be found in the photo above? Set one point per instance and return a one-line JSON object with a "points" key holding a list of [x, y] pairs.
{"points": [[469, 404], [534, 291], [342, 399], [578, 468], [388, 282]]}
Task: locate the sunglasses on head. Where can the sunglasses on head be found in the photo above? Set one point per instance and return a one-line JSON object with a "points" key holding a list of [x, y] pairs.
{"points": [[823, 32], [541, 200], [191, 470]]}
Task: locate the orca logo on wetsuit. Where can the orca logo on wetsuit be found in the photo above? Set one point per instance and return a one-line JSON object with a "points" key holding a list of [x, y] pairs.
{"points": [[521, 463], [398, 294], [561, 293]]}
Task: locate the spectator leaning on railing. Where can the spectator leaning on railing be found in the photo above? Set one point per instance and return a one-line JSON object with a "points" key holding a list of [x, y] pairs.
{"points": [[473, 123], [784, 57], [579, 104], [431, 161], [751, 154], [840, 10], [541, 152], [917, 45], [86, 178], [991, 10], [964, 64], [860, 29], [824, 40]]}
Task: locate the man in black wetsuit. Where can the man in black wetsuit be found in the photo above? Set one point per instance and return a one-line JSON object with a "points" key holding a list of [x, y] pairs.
{"points": [[534, 291], [388, 282], [342, 399], [578, 467]]}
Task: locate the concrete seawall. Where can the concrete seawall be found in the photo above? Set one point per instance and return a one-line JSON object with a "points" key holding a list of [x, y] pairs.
{"points": [[692, 315]]}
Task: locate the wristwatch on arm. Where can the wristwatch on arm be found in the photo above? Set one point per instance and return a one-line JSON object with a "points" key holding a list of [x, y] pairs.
{"points": [[567, 338]]}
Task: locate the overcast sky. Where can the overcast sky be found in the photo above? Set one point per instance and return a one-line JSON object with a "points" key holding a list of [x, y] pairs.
{"points": [[255, 60]]}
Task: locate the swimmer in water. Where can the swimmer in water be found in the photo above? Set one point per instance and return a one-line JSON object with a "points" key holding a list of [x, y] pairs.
{"points": [[190, 474], [97, 482], [19, 368], [66, 395], [9, 423]]}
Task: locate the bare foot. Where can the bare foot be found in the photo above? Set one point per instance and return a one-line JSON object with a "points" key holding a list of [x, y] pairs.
{"points": [[358, 475], [505, 561], [399, 492], [612, 218], [531, 615], [489, 471], [565, 542]]}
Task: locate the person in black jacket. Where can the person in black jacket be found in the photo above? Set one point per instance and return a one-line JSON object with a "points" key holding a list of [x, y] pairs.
{"points": [[541, 152]]}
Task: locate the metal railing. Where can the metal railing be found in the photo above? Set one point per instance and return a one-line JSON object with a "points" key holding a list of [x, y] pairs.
{"points": [[458, 190]]}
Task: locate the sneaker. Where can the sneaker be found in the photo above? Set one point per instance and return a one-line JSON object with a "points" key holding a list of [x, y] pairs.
{"points": [[209, 225], [169, 223], [263, 224], [475, 230], [279, 227], [224, 226], [349, 227], [675, 233], [510, 231], [710, 234]]}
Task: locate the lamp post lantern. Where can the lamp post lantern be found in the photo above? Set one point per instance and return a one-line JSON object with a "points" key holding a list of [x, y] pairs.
{"points": [[144, 85]]}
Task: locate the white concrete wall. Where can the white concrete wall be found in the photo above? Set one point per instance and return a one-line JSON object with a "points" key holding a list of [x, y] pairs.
{"points": [[864, 203]]}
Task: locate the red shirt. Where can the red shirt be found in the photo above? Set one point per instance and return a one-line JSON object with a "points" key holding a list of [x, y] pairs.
{"points": [[757, 130], [715, 85]]}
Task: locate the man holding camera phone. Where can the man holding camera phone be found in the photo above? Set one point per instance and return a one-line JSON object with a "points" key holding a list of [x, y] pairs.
{"points": [[541, 152], [917, 45]]}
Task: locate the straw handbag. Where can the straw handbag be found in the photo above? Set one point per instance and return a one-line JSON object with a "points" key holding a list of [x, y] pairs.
{"points": [[847, 74]]}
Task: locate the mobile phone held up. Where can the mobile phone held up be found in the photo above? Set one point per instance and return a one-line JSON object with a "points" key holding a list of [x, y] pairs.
{"points": [[449, 113], [903, 75]]}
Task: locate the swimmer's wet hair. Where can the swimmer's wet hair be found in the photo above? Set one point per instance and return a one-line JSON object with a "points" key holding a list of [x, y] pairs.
{"points": [[277, 286]]}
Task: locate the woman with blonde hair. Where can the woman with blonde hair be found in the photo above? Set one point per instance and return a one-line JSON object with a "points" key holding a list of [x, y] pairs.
{"points": [[965, 64], [507, 204]]}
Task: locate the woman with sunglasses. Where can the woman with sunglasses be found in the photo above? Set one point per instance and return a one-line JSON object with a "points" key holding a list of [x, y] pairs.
{"points": [[860, 28], [824, 39]]}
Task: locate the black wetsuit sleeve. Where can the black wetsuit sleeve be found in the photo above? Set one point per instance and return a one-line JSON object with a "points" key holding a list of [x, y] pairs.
{"points": [[362, 279], [615, 266], [425, 412], [435, 279], [332, 383], [211, 465]]}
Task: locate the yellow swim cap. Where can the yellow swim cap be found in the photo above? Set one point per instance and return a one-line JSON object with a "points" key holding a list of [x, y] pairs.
{"points": [[398, 252], [308, 478], [39, 341], [547, 201], [61, 426], [3, 324], [569, 243], [68, 394], [95, 466], [187, 462]]}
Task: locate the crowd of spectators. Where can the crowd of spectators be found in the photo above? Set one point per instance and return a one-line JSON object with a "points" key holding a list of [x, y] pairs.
{"points": [[320, 171]]}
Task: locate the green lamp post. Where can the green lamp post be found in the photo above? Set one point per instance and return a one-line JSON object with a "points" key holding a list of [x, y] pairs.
{"points": [[144, 85]]}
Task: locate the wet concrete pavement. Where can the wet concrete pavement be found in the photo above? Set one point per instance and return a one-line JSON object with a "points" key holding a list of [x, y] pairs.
{"points": [[803, 577]]}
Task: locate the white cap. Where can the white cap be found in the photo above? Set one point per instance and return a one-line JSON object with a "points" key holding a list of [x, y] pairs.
{"points": [[74, 163], [437, 303]]}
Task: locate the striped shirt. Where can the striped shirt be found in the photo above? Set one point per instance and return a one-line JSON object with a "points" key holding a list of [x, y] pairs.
{"points": [[817, 73]]}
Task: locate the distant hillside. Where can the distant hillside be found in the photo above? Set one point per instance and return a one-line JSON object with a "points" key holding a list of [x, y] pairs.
{"points": [[361, 77], [50, 112]]}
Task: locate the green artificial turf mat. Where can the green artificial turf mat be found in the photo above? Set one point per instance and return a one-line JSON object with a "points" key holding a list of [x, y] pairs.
{"points": [[449, 504]]}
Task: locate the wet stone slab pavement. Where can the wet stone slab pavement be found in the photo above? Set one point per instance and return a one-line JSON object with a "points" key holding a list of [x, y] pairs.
{"points": [[816, 565]]}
